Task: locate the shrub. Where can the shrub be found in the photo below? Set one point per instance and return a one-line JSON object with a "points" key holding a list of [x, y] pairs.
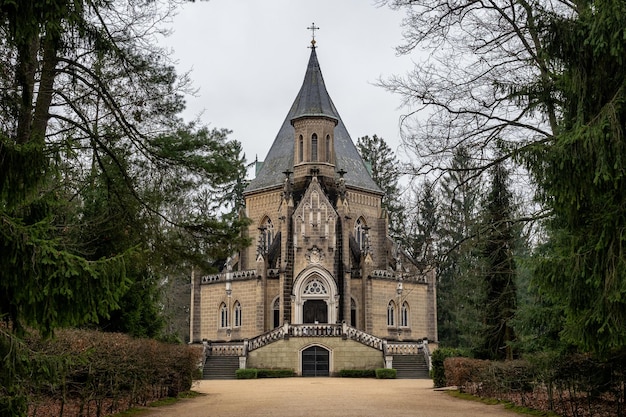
{"points": [[357, 373], [385, 373], [250, 373], [275, 373], [438, 371], [464, 371]]}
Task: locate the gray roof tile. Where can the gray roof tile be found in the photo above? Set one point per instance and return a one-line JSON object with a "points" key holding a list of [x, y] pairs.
{"points": [[312, 100]]}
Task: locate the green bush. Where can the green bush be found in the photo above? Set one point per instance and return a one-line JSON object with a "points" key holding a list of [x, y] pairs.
{"points": [[275, 373], [438, 372], [385, 373], [250, 373], [357, 373]]}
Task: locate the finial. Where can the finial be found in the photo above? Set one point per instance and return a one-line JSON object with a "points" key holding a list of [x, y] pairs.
{"points": [[313, 28]]}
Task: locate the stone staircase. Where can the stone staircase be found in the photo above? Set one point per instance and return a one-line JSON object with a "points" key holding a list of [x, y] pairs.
{"points": [[410, 366], [220, 367]]}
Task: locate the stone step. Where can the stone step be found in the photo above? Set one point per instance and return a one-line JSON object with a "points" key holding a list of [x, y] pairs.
{"points": [[410, 367], [220, 367]]}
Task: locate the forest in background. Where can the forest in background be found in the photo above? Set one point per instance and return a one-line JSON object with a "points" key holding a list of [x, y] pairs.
{"points": [[515, 126]]}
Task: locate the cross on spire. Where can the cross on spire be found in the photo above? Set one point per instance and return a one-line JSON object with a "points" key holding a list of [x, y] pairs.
{"points": [[313, 28]]}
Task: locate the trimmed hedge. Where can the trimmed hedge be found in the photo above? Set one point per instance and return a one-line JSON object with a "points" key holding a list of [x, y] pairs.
{"points": [[249, 373], [438, 372], [275, 373], [385, 373], [357, 373]]}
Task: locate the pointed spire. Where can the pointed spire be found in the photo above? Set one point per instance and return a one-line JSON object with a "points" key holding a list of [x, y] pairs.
{"points": [[313, 99]]}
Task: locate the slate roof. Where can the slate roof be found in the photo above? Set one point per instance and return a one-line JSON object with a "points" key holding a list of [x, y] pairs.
{"points": [[312, 100]]}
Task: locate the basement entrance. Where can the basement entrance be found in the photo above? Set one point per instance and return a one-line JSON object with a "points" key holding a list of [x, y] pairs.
{"points": [[315, 361]]}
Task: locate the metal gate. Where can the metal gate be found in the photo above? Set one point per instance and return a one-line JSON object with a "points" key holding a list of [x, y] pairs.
{"points": [[315, 361]]}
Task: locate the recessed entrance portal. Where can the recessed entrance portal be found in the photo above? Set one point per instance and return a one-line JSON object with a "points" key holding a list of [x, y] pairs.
{"points": [[315, 311], [315, 361]]}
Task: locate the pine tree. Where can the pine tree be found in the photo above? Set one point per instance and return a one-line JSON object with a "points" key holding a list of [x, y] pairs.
{"points": [[460, 290], [385, 173], [498, 243]]}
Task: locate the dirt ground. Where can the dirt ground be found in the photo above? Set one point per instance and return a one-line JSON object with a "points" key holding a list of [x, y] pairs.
{"points": [[328, 397]]}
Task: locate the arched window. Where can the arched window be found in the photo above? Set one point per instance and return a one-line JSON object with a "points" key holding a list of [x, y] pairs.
{"points": [[404, 315], [314, 147], [315, 287], [237, 311], [276, 311], [391, 313], [327, 148], [266, 234], [223, 316], [300, 149], [352, 312], [360, 232]]}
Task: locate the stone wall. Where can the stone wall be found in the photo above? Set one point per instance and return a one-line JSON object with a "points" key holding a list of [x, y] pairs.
{"points": [[344, 354]]}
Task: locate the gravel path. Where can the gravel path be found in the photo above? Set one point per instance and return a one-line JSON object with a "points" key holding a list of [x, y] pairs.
{"points": [[328, 397]]}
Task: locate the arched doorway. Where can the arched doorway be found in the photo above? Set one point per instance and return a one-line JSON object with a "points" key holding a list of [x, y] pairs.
{"points": [[316, 298], [315, 311], [315, 361]]}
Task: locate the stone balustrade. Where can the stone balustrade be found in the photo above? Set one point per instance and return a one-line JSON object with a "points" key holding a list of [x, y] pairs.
{"points": [[226, 349], [266, 338], [404, 348], [391, 275], [310, 330], [235, 276], [364, 338]]}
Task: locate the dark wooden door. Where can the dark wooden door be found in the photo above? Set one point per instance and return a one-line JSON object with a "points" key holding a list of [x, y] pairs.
{"points": [[315, 361], [315, 311]]}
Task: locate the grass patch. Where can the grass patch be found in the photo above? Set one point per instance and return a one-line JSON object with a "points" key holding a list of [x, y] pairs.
{"points": [[507, 405]]}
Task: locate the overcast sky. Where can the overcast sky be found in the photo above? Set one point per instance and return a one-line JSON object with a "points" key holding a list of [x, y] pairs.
{"points": [[248, 59]]}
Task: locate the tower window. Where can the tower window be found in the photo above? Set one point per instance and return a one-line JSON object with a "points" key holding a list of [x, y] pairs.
{"points": [[314, 147], [300, 149], [327, 148]]}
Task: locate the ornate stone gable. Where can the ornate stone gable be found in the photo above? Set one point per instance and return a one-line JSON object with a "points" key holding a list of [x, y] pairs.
{"points": [[314, 228]]}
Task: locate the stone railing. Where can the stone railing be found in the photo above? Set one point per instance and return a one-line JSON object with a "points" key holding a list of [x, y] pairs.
{"points": [[267, 338], [235, 276], [404, 348], [226, 349], [364, 338], [309, 330], [391, 275]]}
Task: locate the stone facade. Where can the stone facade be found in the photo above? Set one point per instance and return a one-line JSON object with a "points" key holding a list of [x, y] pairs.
{"points": [[320, 251]]}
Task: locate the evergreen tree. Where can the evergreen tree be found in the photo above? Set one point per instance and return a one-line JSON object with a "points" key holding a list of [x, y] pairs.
{"points": [[385, 173], [581, 175], [498, 243], [421, 227], [460, 291]]}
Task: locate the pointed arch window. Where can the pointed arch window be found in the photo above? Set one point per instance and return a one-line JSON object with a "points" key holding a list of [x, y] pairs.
{"points": [[391, 313], [360, 232], [266, 236], [276, 311], [314, 147], [327, 148], [237, 312], [300, 149], [404, 315], [223, 315], [352, 312]]}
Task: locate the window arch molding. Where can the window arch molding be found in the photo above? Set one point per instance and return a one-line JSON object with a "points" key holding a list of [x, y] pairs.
{"points": [[361, 232], [329, 293], [391, 313], [404, 314]]}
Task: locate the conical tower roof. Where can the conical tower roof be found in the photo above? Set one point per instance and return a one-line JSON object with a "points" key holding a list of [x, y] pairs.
{"points": [[313, 100]]}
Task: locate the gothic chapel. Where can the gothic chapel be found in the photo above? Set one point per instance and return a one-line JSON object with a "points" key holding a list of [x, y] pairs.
{"points": [[323, 288]]}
